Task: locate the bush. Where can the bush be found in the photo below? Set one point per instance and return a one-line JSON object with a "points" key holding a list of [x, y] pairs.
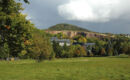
{"points": [[80, 51], [41, 48], [123, 56], [91, 54], [4, 51]]}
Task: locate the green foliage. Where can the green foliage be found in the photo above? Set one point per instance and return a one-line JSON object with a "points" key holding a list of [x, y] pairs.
{"points": [[4, 51], [80, 39], [92, 40], [103, 52], [128, 51], [23, 53], [80, 51], [113, 46], [70, 27], [9, 7], [71, 51], [61, 36], [15, 29], [91, 54], [19, 38], [110, 52], [123, 56], [42, 48], [68, 51], [57, 49]]}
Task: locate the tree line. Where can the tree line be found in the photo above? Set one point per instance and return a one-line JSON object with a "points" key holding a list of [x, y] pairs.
{"points": [[107, 46]]}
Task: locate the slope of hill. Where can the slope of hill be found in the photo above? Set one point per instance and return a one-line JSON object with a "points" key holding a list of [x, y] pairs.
{"points": [[72, 31], [68, 27]]}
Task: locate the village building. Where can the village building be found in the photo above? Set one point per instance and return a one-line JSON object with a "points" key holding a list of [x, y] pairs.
{"points": [[61, 42]]}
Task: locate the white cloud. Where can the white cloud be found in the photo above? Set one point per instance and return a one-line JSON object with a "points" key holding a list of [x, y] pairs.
{"points": [[94, 10]]}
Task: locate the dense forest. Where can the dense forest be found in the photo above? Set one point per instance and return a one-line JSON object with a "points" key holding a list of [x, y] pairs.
{"points": [[20, 38]]}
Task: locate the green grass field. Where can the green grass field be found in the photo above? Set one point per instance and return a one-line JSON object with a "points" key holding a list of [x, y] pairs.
{"points": [[67, 69]]}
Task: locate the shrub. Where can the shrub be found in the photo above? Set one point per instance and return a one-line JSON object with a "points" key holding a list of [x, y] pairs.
{"points": [[110, 52], [4, 51], [80, 51], [91, 54], [103, 52], [123, 56]]}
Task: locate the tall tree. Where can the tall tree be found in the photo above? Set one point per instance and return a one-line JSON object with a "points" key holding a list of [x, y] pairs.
{"points": [[15, 30], [103, 52], [42, 48], [57, 49]]}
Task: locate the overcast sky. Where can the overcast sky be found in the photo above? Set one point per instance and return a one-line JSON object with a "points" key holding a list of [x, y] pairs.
{"points": [[111, 16]]}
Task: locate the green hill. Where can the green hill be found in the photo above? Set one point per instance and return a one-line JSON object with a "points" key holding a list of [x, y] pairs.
{"points": [[60, 27]]}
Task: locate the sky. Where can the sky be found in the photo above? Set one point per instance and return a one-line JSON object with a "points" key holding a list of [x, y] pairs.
{"points": [[106, 16]]}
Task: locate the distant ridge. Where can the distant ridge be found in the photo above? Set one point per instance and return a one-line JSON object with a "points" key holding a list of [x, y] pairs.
{"points": [[68, 27]]}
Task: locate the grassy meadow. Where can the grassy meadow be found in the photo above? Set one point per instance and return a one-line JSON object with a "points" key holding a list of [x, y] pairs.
{"points": [[95, 68]]}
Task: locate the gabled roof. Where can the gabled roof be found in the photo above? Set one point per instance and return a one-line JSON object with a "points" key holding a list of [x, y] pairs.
{"points": [[89, 44]]}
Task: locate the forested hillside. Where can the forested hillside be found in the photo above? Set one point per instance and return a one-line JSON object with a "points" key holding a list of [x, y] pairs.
{"points": [[70, 27]]}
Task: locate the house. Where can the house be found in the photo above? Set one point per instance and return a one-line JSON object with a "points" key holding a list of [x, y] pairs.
{"points": [[61, 42], [127, 35]]}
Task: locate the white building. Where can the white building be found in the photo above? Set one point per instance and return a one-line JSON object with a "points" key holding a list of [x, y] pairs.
{"points": [[61, 42]]}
